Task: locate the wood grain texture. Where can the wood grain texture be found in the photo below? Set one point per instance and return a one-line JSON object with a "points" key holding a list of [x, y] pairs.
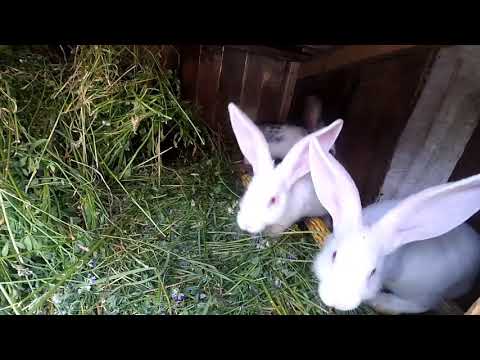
{"points": [[474, 309], [290, 81], [376, 116], [230, 88], [441, 125], [271, 52], [259, 84], [468, 165], [273, 74], [375, 100], [336, 90], [208, 81], [189, 62], [252, 85], [347, 55]]}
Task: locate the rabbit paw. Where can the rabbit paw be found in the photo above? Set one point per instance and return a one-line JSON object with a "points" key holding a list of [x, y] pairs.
{"points": [[391, 304], [275, 230]]}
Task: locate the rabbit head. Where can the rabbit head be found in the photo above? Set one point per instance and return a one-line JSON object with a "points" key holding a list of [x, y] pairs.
{"points": [[349, 268], [266, 199]]}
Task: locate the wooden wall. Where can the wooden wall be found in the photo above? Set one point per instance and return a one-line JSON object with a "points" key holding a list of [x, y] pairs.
{"points": [[468, 165], [212, 76], [375, 99]]}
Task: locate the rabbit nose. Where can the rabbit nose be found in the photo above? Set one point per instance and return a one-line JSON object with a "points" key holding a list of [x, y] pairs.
{"points": [[327, 300], [339, 300], [242, 224], [246, 226]]}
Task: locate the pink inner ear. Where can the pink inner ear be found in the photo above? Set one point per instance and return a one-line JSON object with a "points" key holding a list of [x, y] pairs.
{"points": [[295, 164], [335, 189], [429, 213], [250, 139]]}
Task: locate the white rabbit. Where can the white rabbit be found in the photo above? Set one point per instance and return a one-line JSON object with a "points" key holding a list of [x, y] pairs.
{"points": [[281, 137], [277, 196], [376, 256]]}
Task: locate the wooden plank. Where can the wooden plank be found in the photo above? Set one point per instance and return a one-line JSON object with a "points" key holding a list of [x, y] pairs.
{"points": [[271, 52], [168, 55], [347, 55], [208, 81], [375, 118], [441, 125], [336, 90], [271, 93], [252, 85], [316, 51], [230, 88], [189, 60], [474, 309], [290, 82], [468, 165]]}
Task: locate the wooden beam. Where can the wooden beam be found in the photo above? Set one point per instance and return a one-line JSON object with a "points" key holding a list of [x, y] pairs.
{"points": [[347, 55], [316, 49], [288, 90], [440, 126], [272, 52], [474, 309]]}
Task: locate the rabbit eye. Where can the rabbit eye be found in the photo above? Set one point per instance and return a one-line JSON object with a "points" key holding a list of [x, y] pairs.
{"points": [[334, 255], [373, 272], [272, 201]]}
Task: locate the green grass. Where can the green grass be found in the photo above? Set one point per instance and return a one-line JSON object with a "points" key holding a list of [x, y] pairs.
{"points": [[95, 220], [131, 267]]}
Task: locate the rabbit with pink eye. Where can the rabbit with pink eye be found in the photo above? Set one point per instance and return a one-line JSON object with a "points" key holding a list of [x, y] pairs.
{"points": [[277, 196], [398, 256]]}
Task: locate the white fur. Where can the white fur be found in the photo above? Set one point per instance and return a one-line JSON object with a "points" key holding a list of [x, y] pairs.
{"points": [[289, 183], [387, 237], [290, 136], [300, 201]]}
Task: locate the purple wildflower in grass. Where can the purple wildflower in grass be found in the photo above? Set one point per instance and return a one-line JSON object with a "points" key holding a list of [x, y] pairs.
{"points": [[177, 296], [92, 263], [92, 280]]}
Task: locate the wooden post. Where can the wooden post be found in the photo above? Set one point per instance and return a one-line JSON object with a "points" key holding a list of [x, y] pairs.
{"points": [[347, 55], [271, 52], [440, 126], [288, 90], [474, 309]]}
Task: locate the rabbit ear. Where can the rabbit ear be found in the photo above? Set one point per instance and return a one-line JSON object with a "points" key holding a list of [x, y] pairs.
{"points": [[429, 213], [295, 164], [335, 189], [313, 113], [251, 141]]}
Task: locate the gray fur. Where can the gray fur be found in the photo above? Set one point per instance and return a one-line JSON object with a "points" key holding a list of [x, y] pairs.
{"points": [[421, 274]]}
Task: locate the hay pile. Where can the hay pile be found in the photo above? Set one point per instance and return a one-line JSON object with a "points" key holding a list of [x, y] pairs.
{"points": [[115, 199]]}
